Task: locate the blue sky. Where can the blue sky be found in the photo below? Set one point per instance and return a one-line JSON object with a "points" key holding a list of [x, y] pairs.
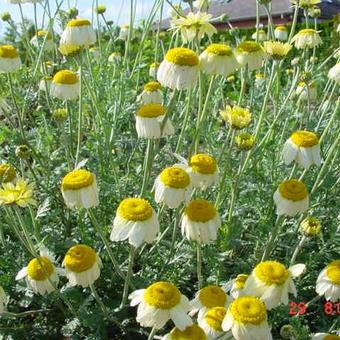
{"points": [[117, 10]]}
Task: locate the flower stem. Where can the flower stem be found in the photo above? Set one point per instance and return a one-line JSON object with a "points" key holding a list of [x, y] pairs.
{"points": [[147, 166], [128, 276], [297, 249], [80, 111], [99, 301], [199, 265], [272, 238]]}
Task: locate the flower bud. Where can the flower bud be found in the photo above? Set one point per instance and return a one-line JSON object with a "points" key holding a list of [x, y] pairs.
{"points": [[72, 12], [310, 226], [22, 151], [287, 332], [101, 9], [5, 16], [244, 141], [59, 116]]}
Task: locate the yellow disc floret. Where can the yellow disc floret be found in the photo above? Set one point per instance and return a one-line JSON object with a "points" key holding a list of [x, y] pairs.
{"points": [[162, 295], [271, 272], [214, 318], [80, 258], [212, 296], [333, 272], [248, 47], [182, 56], [248, 310], [310, 226], [281, 28], [65, 77], [240, 281], [304, 139], [152, 86], [8, 51], [200, 210], [193, 332], [203, 164], [219, 49], [175, 177], [7, 173], [331, 337], [293, 190], [78, 23], [40, 268], [276, 49], [77, 179], [135, 209], [236, 116], [307, 31], [151, 111]]}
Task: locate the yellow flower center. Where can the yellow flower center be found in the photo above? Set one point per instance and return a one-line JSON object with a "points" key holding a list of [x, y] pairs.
{"points": [[77, 179], [271, 272], [8, 51], [65, 77], [245, 141], [151, 111], [212, 296], [333, 272], [240, 281], [331, 337], [310, 226], [80, 258], [193, 332], [39, 269], [307, 31], [135, 209], [276, 49], [174, 177], [259, 75], [281, 28], [214, 318], [248, 309], [304, 139], [182, 56], [219, 49], [152, 86], [200, 211], [203, 164], [7, 173], [236, 116], [44, 33], [248, 47], [162, 295], [78, 23], [293, 190]]}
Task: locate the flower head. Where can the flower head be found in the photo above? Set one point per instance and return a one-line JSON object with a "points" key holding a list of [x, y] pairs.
{"points": [[101, 9], [307, 38], [20, 193], [277, 50], [310, 226], [193, 332], [7, 173], [245, 141], [305, 4], [238, 117], [328, 282]]}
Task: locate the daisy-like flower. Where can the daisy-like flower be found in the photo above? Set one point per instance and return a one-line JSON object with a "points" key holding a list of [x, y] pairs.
{"points": [[124, 32], [307, 38], [179, 69], [325, 336], [249, 53], [4, 300], [306, 91], [172, 186], [291, 197], [334, 73], [153, 70], [135, 220], [149, 120], [193, 332], [211, 323], [261, 34], [40, 274], [236, 285], [277, 50], [45, 83], [247, 319], [152, 93], [310, 226], [237, 117], [82, 265], [218, 59], [207, 298], [78, 32], [271, 281], [7, 173], [9, 59], [200, 221], [328, 282], [203, 170], [38, 40], [115, 57], [79, 189], [281, 33], [305, 4], [194, 25], [19, 193], [302, 147], [160, 302], [65, 85], [259, 79]]}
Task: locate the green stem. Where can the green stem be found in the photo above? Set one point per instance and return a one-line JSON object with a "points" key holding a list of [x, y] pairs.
{"points": [[99, 301], [199, 265], [272, 237], [128, 276], [80, 111], [147, 166], [298, 249], [152, 333]]}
